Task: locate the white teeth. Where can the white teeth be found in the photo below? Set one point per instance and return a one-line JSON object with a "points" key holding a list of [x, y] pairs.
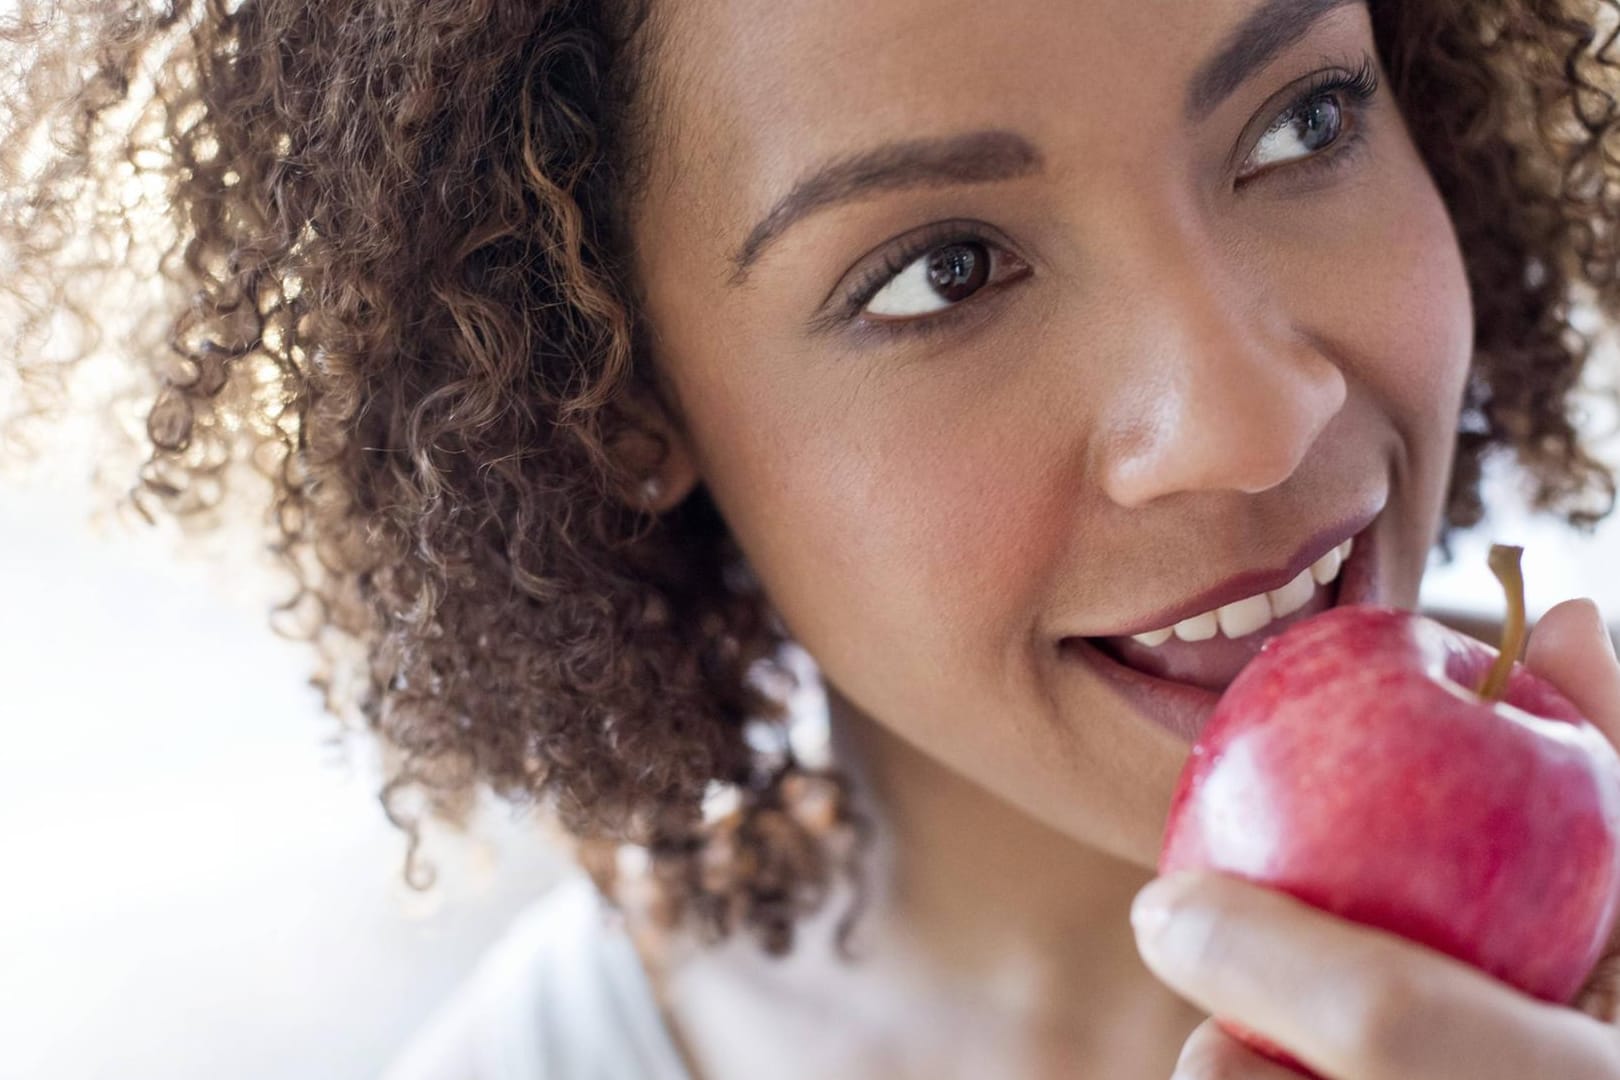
{"points": [[1244, 616], [1326, 568], [1253, 612], [1198, 628], [1294, 595]]}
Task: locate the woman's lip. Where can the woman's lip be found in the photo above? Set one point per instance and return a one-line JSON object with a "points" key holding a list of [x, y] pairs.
{"points": [[1255, 582], [1180, 708], [1183, 709], [1212, 664]]}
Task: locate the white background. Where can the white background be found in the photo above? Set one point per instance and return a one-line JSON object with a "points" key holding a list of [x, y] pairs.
{"points": [[193, 883]]}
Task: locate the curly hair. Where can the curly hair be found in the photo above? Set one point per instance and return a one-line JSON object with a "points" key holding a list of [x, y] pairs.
{"points": [[395, 289]]}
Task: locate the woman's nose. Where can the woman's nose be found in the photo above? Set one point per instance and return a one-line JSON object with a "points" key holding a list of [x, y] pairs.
{"points": [[1215, 396]]}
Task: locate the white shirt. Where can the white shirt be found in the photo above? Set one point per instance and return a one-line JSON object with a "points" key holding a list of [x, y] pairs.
{"points": [[561, 995]]}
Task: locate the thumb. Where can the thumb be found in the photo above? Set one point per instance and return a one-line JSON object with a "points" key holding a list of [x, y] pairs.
{"points": [[1571, 648]]}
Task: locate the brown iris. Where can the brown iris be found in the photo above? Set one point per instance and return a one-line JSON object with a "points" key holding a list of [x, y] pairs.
{"points": [[959, 270]]}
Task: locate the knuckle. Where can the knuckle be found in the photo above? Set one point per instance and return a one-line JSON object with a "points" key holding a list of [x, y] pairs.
{"points": [[1388, 1021]]}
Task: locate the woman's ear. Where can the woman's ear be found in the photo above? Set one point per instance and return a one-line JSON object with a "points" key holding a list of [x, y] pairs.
{"points": [[659, 457]]}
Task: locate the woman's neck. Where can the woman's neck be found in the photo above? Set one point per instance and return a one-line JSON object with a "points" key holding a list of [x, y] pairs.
{"points": [[979, 903], [989, 944]]}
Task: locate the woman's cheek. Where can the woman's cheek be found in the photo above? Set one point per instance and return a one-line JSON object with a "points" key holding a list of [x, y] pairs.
{"points": [[1390, 299], [927, 530], [1416, 301]]}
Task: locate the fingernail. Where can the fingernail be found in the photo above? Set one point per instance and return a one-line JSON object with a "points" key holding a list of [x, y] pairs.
{"points": [[1151, 910], [1148, 916], [1596, 614]]}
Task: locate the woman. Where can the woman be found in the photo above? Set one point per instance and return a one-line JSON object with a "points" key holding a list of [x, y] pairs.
{"points": [[989, 353]]}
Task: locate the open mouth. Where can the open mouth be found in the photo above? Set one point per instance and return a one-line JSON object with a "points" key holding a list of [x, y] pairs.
{"points": [[1213, 663], [1177, 683]]}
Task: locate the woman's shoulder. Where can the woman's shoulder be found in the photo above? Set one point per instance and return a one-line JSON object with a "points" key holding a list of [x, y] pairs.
{"points": [[560, 995]]}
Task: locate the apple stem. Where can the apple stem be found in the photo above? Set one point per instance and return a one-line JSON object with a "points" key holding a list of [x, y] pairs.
{"points": [[1504, 563]]}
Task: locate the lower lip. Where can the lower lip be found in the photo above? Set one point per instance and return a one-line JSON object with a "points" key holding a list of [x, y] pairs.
{"points": [[1183, 709]]}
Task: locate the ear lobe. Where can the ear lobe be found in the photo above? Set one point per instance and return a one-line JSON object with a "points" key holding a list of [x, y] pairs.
{"points": [[670, 483], [658, 458]]}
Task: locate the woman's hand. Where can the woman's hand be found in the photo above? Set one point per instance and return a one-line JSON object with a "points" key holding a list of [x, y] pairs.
{"points": [[1355, 1003]]}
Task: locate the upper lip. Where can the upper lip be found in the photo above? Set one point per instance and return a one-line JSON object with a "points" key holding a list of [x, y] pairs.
{"points": [[1252, 582]]}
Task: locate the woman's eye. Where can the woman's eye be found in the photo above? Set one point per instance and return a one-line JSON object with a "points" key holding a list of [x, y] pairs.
{"points": [[1300, 133], [1314, 127], [923, 284], [942, 277]]}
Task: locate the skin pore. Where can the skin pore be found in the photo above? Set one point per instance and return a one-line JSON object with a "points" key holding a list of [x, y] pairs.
{"points": [[1199, 341]]}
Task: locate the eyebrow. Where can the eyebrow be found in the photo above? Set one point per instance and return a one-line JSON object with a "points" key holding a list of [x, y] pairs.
{"points": [[1269, 29], [972, 158], [983, 156]]}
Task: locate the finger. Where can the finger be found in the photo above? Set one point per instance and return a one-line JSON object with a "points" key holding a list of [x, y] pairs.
{"points": [[1211, 1054], [1353, 1001], [1571, 648]]}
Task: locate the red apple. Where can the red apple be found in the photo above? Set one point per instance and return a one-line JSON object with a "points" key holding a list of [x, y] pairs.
{"points": [[1353, 765]]}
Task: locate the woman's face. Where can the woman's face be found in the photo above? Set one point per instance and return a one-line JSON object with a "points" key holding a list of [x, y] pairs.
{"points": [[999, 324]]}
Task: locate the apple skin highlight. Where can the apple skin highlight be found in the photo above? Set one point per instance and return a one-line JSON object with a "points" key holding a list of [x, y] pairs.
{"points": [[1352, 765]]}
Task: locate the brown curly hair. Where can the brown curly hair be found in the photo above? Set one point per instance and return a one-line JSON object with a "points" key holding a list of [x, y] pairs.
{"points": [[394, 286]]}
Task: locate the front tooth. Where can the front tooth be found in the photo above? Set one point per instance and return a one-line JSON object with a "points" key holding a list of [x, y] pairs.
{"points": [[1244, 616], [1294, 595], [1198, 628], [1251, 613], [1326, 568]]}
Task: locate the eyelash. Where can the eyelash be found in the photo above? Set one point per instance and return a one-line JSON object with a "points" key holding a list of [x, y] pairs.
{"points": [[944, 234], [1357, 89]]}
